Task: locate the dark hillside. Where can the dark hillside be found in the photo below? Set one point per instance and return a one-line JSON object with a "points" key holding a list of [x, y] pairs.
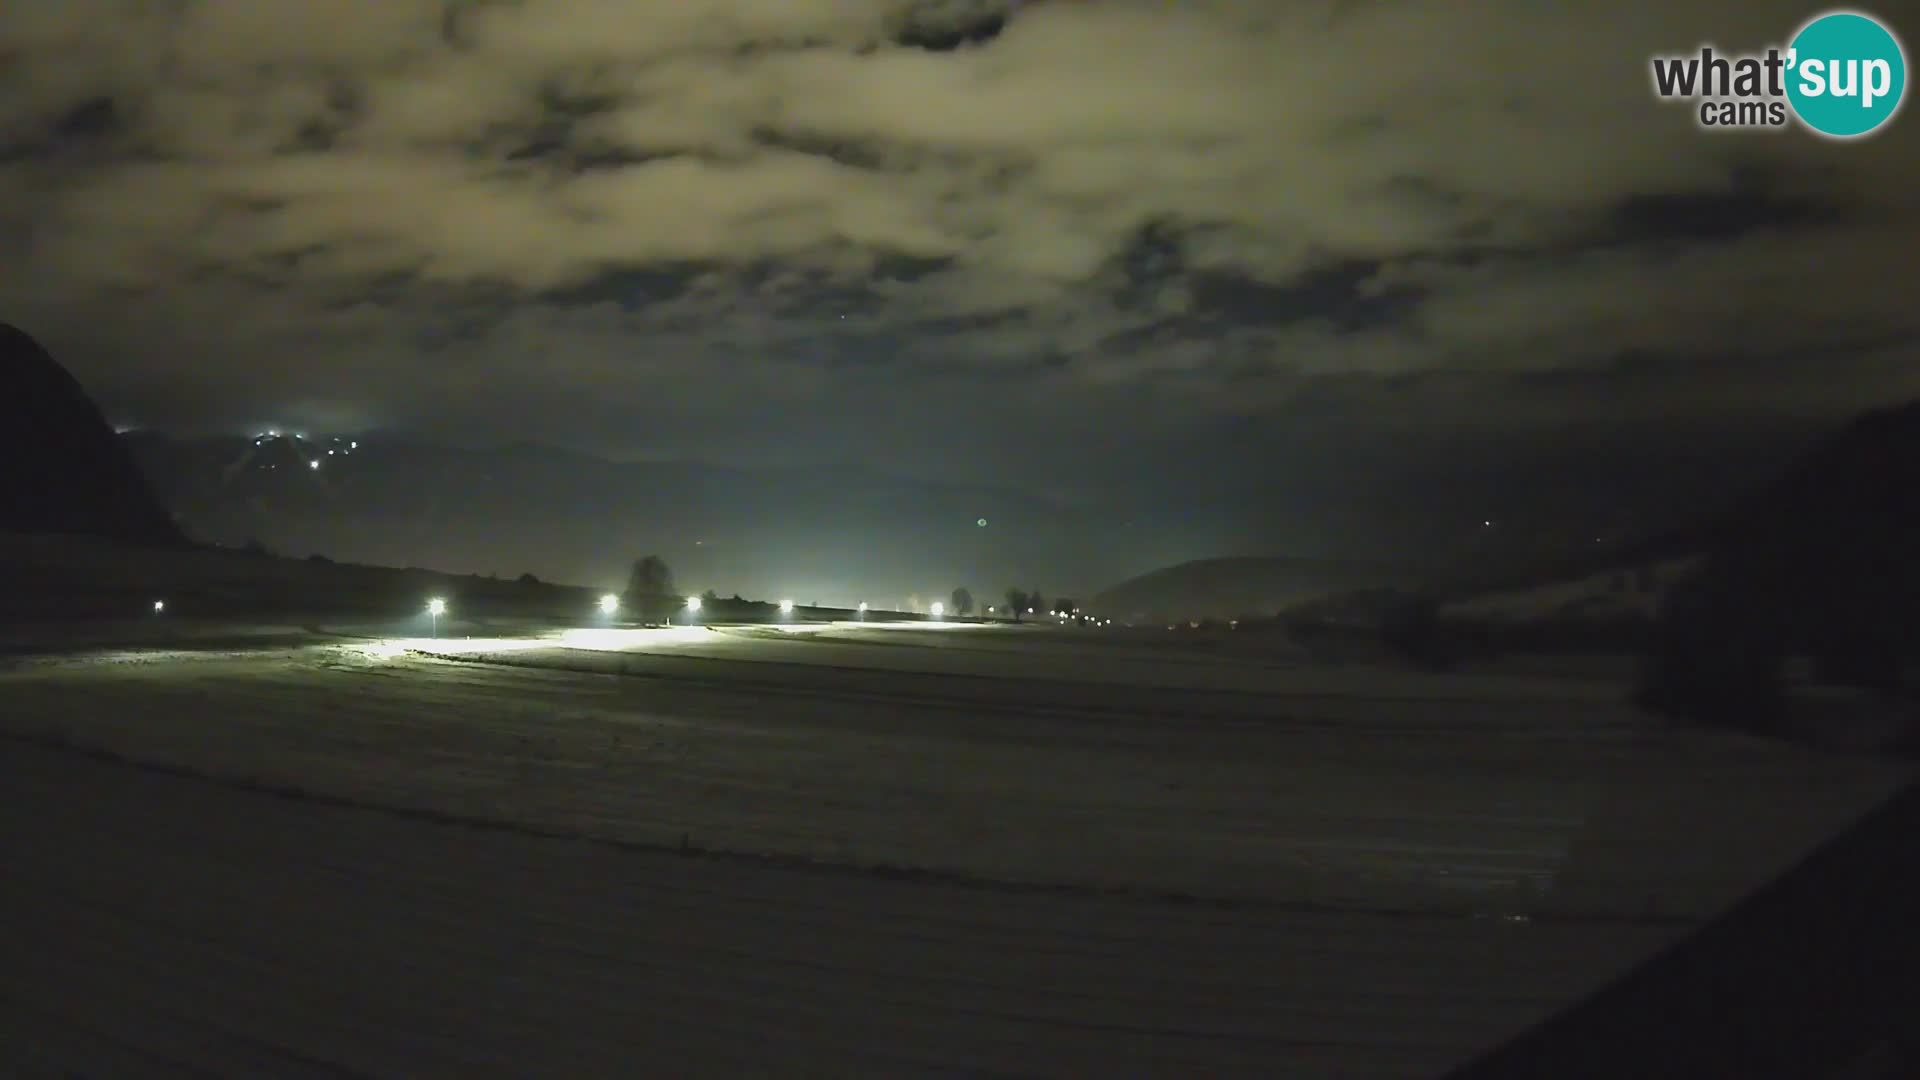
{"points": [[62, 469]]}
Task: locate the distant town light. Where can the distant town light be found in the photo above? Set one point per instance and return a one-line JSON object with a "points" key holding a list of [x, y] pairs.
{"points": [[159, 606], [353, 446], [609, 604], [314, 464]]}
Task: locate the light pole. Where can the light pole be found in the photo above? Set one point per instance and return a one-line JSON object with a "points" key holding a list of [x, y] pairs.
{"points": [[436, 607]]}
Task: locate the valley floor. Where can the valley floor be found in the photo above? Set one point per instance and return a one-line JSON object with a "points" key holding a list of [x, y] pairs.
{"points": [[859, 849]]}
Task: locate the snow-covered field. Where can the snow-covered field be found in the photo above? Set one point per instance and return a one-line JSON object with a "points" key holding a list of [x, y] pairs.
{"points": [[865, 849]]}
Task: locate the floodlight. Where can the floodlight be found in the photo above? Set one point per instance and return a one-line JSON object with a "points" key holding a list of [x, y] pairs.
{"points": [[436, 606], [938, 609], [609, 604], [786, 607], [693, 603], [159, 606]]}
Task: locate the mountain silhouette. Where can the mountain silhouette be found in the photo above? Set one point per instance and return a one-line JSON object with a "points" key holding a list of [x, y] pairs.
{"points": [[62, 468], [1821, 563], [1828, 554]]}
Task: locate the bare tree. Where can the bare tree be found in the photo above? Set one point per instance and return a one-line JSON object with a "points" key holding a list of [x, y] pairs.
{"points": [[1017, 601]]}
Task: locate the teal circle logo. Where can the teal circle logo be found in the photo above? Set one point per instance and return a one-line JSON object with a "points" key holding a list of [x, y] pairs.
{"points": [[1847, 74]]}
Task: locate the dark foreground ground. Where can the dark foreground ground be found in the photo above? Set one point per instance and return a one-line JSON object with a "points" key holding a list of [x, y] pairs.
{"points": [[171, 926], [902, 851]]}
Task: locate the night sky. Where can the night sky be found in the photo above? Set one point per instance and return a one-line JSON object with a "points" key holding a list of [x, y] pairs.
{"points": [[1290, 257]]}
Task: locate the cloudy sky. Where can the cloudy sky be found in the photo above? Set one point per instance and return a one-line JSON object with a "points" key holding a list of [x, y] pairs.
{"points": [[1067, 245]]}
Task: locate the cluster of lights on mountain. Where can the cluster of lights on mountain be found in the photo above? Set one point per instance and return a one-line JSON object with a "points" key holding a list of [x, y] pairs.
{"points": [[336, 446]]}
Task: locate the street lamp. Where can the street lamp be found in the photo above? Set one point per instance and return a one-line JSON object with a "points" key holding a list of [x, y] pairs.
{"points": [[938, 609], [863, 609], [436, 607], [786, 607], [159, 606], [693, 608], [609, 604]]}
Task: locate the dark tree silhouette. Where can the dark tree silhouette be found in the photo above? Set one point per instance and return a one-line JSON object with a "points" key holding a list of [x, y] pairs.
{"points": [[1065, 606], [1716, 657], [650, 577], [1017, 602], [962, 601], [1412, 629]]}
